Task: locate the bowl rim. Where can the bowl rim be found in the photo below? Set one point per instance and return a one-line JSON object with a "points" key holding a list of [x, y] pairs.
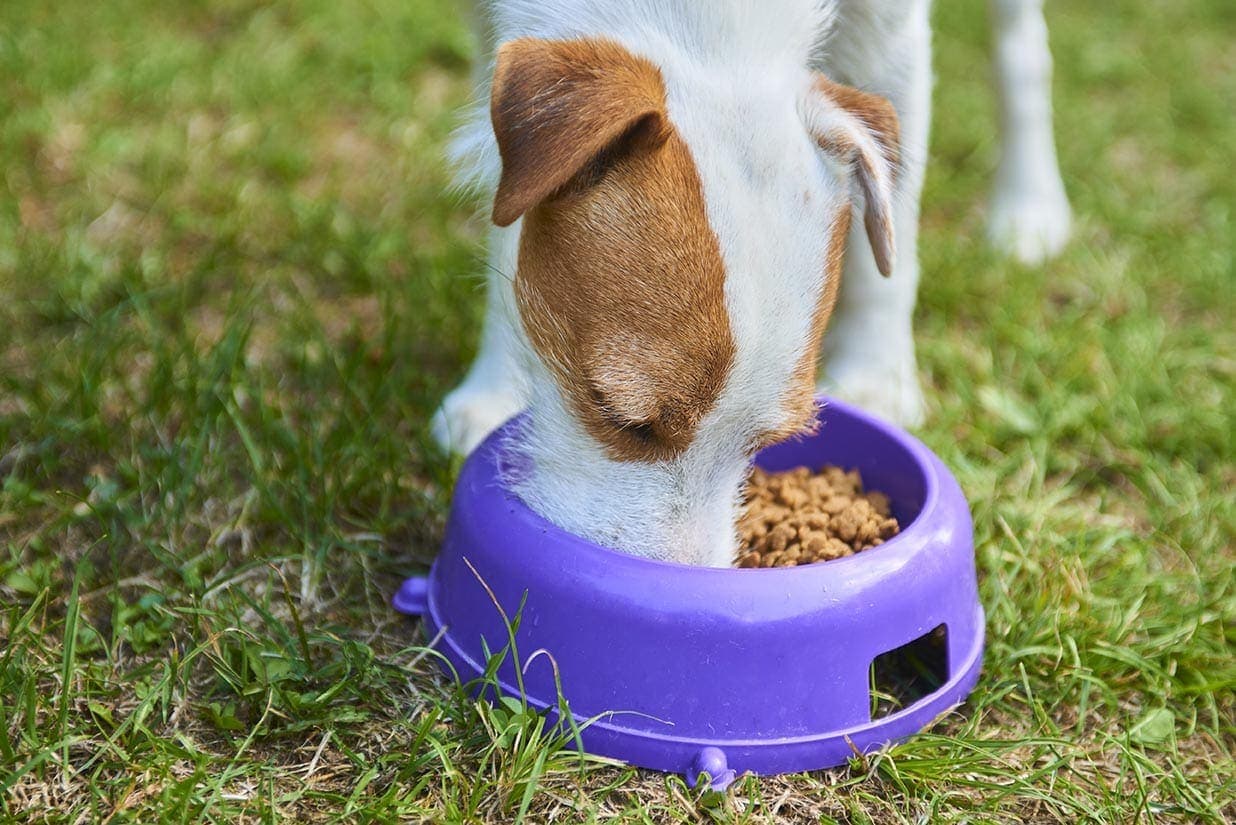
{"points": [[526, 520]]}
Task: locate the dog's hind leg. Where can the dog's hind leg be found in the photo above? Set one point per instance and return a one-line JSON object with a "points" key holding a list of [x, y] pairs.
{"points": [[1029, 217], [494, 388]]}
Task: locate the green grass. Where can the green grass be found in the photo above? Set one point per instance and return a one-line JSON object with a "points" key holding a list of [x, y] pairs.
{"points": [[235, 286]]}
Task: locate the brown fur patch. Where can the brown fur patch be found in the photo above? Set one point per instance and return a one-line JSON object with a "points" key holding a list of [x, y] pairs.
{"points": [[878, 117], [620, 286], [873, 111], [556, 104]]}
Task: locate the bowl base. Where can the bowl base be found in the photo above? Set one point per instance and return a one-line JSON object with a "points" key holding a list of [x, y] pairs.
{"points": [[722, 760]]}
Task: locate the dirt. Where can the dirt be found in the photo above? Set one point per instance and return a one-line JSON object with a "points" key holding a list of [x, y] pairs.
{"points": [[799, 517]]}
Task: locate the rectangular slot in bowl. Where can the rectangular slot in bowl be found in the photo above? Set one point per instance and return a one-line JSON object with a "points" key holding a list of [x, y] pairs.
{"points": [[904, 675]]}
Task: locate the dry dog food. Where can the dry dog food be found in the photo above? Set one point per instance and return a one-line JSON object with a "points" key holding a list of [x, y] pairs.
{"points": [[799, 517]]}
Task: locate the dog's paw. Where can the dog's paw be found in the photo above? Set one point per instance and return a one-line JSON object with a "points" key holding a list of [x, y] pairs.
{"points": [[1030, 226], [468, 414], [891, 392]]}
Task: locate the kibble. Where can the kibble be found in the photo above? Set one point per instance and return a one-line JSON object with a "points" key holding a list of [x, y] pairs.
{"points": [[800, 517]]}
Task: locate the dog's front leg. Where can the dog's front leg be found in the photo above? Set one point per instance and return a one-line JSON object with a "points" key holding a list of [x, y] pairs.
{"points": [[869, 346], [494, 388]]}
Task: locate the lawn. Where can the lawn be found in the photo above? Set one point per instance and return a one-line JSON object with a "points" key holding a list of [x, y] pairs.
{"points": [[236, 283]]}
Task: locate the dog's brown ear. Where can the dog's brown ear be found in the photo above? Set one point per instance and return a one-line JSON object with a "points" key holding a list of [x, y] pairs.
{"points": [[862, 131], [560, 105]]}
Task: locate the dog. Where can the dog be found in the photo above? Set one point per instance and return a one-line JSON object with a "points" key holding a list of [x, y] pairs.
{"points": [[684, 193]]}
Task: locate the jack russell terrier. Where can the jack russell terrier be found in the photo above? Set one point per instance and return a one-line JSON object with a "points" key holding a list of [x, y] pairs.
{"points": [[673, 183]]}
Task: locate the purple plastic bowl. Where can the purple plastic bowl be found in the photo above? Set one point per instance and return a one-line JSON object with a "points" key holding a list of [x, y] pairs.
{"points": [[692, 669]]}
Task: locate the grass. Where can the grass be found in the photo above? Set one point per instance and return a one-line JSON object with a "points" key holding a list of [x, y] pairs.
{"points": [[235, 288]]}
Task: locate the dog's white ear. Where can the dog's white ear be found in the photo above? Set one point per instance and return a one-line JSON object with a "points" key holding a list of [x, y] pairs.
{"points": [[560, 107], [861, 131]]}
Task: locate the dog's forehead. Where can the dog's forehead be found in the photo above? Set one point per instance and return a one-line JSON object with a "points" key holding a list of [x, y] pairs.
{"points": [[775, 208], [752, 125], [769, 196]]}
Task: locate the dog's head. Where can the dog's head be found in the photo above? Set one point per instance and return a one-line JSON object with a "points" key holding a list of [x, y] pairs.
{"points": [[680, 250]]}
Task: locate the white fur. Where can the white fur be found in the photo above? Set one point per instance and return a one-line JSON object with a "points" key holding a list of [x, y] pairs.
{"points": [[1030, 216], [738, 80]]}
